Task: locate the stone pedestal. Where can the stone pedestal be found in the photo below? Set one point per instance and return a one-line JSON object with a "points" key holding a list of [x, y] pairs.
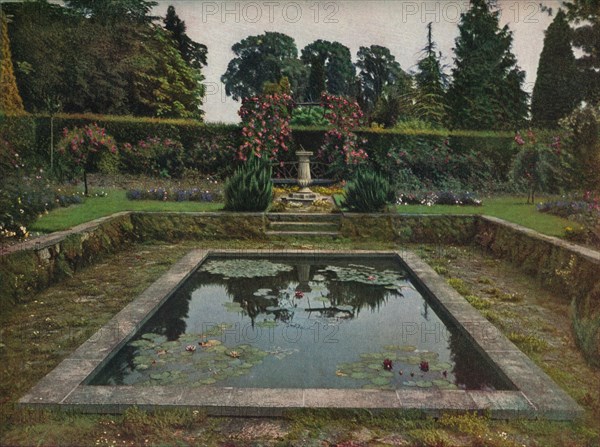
{"points": [[304, 179]]}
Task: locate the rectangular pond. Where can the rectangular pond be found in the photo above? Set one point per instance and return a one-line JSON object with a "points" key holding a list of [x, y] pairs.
{"points": [[259, 333], [300, 322]]}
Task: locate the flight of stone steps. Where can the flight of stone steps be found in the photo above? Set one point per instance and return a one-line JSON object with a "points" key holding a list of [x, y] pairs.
{"points": [[303, 225]]}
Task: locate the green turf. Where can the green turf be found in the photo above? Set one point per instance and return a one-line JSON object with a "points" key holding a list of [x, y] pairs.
{"points": [[95, 207], [510, 208]]}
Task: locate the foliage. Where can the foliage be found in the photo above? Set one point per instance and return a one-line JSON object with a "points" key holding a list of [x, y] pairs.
{"points": [[265, 126], [25, 193], [378, 69], [81, 149], [431, 84], [486, 90], [585, 14], [583, 145], [100, 64], [10, 100], [174, 92], [557, 86], [394, 102], [193, 53], [431, 163], [111, 11], [309, 116], [438, 198], [250, 187], [341, 146], [331, 69], [260, 59], [537, 165], [584, 212], [368, 192], [177, 195], [154, 156]]}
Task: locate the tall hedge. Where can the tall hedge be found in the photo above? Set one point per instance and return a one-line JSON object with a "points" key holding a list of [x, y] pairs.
{"points": [[212, 147]]}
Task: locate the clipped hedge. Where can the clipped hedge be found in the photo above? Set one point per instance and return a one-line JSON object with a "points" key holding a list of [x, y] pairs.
{"points": [[211, 148]]}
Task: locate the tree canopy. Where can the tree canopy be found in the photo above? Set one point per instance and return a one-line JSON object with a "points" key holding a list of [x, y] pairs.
{"points": [[486, 90], [259, 59], [556, 92], [585, 15], [378, 69], [335, 62], [132, 68], [10, 100], [193, 53]]}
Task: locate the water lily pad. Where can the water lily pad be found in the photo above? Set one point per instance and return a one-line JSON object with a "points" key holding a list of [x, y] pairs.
{"points": [[407, 348], [380, 381], [141, 343], [424, 384], [442, 366], [244, 268], [385, 373], [208, 381], [375, 366], [359, 375], [413, 360], [429, 355], [266, 324], [160, 376], [409, 383]]}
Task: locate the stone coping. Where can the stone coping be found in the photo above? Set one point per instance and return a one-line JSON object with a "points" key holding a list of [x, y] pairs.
{"points": [[535, 395]]}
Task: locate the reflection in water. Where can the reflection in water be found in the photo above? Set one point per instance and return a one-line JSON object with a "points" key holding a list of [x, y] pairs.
{"points": [[307, 319]]}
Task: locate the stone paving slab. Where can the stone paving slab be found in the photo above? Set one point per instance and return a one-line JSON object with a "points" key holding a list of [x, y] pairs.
{"points": [[534, 395]]}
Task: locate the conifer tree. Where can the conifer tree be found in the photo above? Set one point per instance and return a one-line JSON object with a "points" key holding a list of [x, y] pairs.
{"points": [[431, 83], [486, 90], [585, 16], [556, 91], [10, 100], [193, 53]]}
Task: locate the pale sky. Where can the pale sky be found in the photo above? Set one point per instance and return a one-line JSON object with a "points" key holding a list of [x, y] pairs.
{"points": [[399, 25]]}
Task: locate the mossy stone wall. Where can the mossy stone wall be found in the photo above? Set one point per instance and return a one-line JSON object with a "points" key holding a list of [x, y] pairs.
{"points": [[569, 269], [410, 228]]}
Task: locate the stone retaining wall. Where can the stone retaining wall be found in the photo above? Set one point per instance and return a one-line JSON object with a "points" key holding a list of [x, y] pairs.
{"points": [[573, 270]]}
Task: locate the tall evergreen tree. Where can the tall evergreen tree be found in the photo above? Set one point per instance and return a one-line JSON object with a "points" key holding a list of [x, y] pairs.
{"points": [[193, 53], [585, 15], [431, 83], [486, 90], [556, 92], [10, 100]]}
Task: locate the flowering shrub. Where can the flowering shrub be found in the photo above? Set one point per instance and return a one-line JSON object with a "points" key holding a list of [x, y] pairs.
{"points": [[81, 150], [155, 157], [538, 166], [24, 195], [439, 198], [431, 164], [174, 195], [265, 125], [341, 145], [583, 211]]}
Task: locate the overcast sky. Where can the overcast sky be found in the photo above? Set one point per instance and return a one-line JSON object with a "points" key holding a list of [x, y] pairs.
{"points": [[399, 25]]}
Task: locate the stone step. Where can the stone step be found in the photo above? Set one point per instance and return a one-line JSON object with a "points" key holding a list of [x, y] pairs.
{"points": [[303, 217], [315, 234]]}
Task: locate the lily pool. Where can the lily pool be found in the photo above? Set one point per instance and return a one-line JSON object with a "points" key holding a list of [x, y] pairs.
{"points": [[300, 322]]}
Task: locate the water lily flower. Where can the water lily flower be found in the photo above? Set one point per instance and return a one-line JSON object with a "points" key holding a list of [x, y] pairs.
{"points": [[424, 366], [190, 348], [299, 294], [387, 365]]}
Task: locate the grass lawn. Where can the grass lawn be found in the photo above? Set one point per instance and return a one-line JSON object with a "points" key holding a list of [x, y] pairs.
{"points": [[511, 208], [96, 207]]}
